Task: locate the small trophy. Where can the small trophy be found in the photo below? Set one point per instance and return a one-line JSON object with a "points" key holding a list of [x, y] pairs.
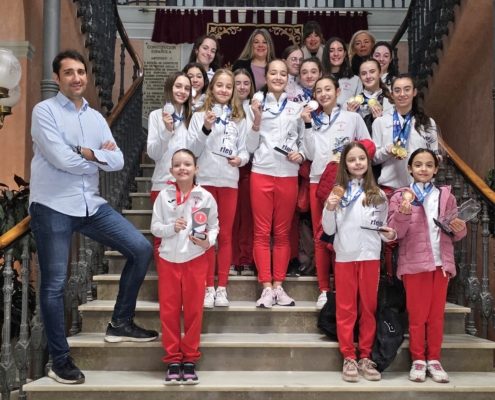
{"points": [[464, 212], [287, 143], [169, 108]]}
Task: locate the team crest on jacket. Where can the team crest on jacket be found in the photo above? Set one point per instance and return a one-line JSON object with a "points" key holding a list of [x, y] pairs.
{"points": [[290, 111], [345, 86], [197, 200], [340, 126]]}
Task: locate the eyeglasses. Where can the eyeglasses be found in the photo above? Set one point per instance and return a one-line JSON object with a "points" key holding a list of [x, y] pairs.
{"points": [[295, 59], [406, 90]]}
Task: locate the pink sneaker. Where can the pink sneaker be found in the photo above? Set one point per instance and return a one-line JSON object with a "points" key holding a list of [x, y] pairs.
{"points": [[283, 298], [266, 300]]}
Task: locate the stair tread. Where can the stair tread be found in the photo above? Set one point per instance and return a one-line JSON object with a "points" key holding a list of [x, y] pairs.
{"points": [[301, 306], [142, 194], [137, 212], [95, 339], [142, 178], [257, 381], [147, 165], [116, 277]]}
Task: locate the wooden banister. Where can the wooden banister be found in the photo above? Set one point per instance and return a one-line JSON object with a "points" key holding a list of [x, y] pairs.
{"points": [[403, 27], [16, 232]]}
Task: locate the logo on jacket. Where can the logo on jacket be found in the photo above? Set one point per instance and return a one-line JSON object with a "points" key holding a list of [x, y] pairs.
{"points": [[345, 86], [390, 327], [171, 201], [340, 125], [197, 200]]}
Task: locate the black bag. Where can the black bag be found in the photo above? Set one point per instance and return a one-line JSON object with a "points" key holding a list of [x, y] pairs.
{"points": [[327, 320], [389, 337], [394, 292]]}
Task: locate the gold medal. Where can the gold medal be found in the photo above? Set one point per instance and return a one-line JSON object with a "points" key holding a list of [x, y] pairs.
{"points": [[351, 99], [359, 98], [373, 103], [398, 151]]}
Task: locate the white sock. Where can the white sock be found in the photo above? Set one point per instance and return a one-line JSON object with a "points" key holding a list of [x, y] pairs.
{"points": [[210, 287], [221, 287]]}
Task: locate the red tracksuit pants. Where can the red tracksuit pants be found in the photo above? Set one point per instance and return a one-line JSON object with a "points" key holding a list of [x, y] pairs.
{"points": [[157, 241], [226, 199], [242, 232], [389, 246], [273, 200], [356, 296], [322, 254], [181, 286], [426, 294]]}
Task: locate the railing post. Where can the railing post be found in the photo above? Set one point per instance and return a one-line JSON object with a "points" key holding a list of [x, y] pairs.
{"points": [[486, 299], [7, 366], [38, 334], [463, 270]]}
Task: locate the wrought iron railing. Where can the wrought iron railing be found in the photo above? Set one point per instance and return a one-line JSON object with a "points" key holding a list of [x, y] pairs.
{"points": [[272, 3]]}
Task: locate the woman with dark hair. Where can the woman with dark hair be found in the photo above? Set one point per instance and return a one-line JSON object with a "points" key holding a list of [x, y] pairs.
{"points": [[383, 53], [336, 62], [312, 40], [205, 52], [199, 80], [257, 53], [293, 57], [360, 48]]}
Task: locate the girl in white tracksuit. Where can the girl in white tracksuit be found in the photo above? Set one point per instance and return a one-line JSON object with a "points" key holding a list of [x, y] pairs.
{"points": [[293, 57], [167, 132], [274, 136], [354, 215], [309, 72], [327, 132], [336, 62], [199, 80], [219, 142], [181, 211]]}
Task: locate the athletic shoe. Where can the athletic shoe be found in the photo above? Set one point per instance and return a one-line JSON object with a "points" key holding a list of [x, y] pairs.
{"points": [[209, 297], [64, 371], [322, 300], [173, 376], [233, 271], [266, 300], [293, 268], [368, 369], [247, 270], [189, 376], [436, 372], [283, 298], [350, 370], [129, 332], [418, 371], [221, 297]]}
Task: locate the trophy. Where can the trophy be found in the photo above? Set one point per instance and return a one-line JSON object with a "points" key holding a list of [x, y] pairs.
{"points": [[169, 108], [287, 143], [464, 212]]}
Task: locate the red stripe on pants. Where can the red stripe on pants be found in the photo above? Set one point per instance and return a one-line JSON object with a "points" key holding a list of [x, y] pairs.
{"points": [[322, 254], [274, 201], [426, 294], [242, 231], [356, 295], [181, 287], [226, 199], [389, 246], [157, 241]]}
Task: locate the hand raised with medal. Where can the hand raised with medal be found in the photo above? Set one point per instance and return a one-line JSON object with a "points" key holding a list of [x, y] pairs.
{"points": [[168, 120], [334, 198], [353, 104], [180, 224], [257, 110], [210, 119], [407, 198], [376, 110], [234, 161], [306, 114]]}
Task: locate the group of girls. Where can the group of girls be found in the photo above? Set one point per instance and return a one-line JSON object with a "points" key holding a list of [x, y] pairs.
{"points": [[227, 164]]}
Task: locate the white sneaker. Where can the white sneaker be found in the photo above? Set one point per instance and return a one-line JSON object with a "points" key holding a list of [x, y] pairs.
{"points": [[266, 300], [322, 300], [436, 372], [221, 297], [209, 297], [418, 371], [282, 298]]}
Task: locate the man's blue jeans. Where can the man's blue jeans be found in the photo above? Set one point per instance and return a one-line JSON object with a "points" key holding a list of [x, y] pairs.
{"points": [[53, 233]]}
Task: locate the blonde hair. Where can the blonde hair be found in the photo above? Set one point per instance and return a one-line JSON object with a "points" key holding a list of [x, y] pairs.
{"points": [[353, 42], [248, 53], [234, 103], [372, 193]]}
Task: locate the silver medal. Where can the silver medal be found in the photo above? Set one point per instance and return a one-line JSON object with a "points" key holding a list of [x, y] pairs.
{"points": [[259, 96], [313, 104], [217, 110], [169, 108]]}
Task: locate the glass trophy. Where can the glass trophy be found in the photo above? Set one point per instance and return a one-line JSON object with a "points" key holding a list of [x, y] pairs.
{"points": [[465, 212], [288, 143]]}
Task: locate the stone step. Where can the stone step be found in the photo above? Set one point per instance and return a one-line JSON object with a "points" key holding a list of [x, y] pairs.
{"points": [[266, 352], [258, 385], [147, 169], [242, 317], [143, 184], [116, 262], [141, 219], [141, 201], [239, 288]]}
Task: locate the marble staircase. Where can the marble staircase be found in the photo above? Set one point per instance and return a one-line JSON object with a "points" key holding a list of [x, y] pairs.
{"points": [[251, 353]]}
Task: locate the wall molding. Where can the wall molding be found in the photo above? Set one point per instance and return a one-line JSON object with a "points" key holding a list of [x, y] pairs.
{"points": [[20, 48]]}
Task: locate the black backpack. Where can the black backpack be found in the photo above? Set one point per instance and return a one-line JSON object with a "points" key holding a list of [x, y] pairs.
{"points": [[327, 320]]}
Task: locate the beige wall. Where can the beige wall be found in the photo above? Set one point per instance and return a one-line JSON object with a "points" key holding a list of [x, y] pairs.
{"points": [[459, 97], [24, 22]]}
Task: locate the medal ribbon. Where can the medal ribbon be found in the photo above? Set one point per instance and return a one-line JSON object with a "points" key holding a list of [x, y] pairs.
{"points": [[318, 118], [308, 95], [271, 112], [366, 99], [178, 194], [401, 133], [177, 118], [345, 202], [227, 117], [420, 195]]}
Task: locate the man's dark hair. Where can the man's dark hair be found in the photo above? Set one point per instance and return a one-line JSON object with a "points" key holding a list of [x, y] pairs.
{"points": [[73, 54]]}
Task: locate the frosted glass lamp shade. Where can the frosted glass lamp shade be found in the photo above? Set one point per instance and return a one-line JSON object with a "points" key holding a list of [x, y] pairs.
{"points": [[13, 99], [10, 69]]}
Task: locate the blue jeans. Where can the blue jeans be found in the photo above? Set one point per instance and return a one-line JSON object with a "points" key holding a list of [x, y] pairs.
{"points": [[53, 233]]}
